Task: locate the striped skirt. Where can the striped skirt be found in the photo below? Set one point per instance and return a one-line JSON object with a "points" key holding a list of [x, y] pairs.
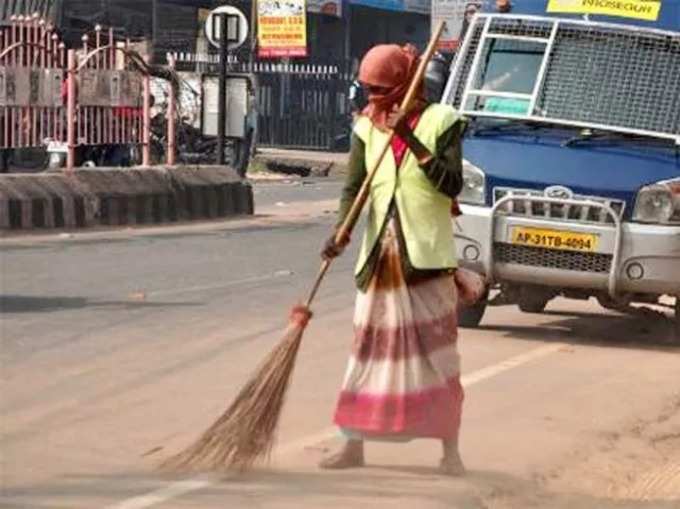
{"points": [[403, 378]]}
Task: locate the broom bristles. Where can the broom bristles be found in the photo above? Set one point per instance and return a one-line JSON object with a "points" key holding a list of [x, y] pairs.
{"points": [[246, 432]]}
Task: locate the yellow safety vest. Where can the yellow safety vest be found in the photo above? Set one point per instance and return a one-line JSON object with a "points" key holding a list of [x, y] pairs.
{"points": [[424, 212]]}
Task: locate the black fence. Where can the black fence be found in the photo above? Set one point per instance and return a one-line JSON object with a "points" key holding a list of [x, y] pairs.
{"points": [[300, 106], [43, 8], [303, 106]]}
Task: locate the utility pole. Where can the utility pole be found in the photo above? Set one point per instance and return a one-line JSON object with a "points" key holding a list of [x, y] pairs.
{"points": [[348, 32], [222, 94], [253, 32], [154, 28], [227, 24]]}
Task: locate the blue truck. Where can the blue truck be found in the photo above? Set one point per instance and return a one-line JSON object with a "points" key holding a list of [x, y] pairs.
{"points": [[572, 154]]}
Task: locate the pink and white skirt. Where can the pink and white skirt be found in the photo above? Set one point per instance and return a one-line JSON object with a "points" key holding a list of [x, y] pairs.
{"points": [[403, 377]]}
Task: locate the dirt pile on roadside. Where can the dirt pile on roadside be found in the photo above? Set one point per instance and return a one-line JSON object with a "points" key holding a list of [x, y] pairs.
{"points": [[641, 463], [637, 468]]}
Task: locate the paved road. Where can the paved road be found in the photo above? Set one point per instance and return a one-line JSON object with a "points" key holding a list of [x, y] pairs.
{"points": [[119, 347]]}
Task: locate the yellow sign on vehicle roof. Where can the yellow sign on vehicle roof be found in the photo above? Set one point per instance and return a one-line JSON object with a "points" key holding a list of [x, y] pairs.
{"points": [[637, 9]]}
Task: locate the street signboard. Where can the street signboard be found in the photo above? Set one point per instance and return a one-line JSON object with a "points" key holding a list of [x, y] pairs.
{"points": [[237, 31], [282, 29], [637, 9], [237, 106]]}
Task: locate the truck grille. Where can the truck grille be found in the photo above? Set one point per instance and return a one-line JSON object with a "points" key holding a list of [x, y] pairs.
{"points": [[563, 212], [552, 258]]}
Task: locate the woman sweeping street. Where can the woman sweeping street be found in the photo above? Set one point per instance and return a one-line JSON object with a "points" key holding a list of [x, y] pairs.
{"points": [[403, 377]]}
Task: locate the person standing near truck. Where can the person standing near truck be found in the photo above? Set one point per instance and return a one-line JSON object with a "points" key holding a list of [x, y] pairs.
{"points": [[503, 6], [403, 378], [472, 8]]}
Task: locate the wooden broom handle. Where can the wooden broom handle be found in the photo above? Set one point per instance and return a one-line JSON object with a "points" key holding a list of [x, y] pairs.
{"points": [[354, 212], [351, 219]]}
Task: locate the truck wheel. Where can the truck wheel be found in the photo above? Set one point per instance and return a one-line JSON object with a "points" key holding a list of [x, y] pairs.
{"points": [[469, 317], [532, 301]]}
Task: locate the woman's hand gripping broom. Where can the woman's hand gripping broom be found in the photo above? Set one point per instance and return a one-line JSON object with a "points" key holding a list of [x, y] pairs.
{"points": [[246, 432]]}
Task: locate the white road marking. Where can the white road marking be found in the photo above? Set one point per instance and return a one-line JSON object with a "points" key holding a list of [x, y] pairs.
{"points": [[465, 380], [174, 490], [177, 489], [506, 365], [204, 288]]}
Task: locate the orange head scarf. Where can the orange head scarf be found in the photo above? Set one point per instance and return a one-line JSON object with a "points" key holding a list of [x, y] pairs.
{"points": [[391, 67]]}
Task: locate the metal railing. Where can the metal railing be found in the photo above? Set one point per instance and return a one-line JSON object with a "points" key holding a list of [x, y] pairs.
{"points": [[96, 95], [108, 96], [32, 62], [301, 105]]}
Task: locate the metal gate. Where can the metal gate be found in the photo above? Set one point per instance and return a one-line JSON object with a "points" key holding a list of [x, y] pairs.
{"points": [[32, 61], [303, 106], [98, 94], [108, 96], [300, 106]]}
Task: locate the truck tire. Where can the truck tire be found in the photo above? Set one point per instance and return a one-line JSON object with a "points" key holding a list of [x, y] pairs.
{"points": [[530, 301], [469, 317], [532, 306]]}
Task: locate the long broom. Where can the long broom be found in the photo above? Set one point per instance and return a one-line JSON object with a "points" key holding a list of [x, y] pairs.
{"points": [[246, 432]]}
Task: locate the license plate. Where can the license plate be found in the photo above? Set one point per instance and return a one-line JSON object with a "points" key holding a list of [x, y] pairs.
{"points": [[554, 239]]}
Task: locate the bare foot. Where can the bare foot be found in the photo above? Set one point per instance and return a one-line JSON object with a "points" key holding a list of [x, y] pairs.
{"points": [[451, 463], [452, 466], [351, 456]]}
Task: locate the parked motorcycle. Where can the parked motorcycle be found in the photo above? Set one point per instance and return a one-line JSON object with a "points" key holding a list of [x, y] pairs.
{"points": [[194, 148]]}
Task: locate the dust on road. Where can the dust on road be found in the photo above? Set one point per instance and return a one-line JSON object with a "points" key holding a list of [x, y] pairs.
{"points": [[92, 354], [639, 463]]}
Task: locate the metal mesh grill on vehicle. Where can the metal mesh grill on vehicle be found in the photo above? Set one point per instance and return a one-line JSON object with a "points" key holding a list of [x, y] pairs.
{"points": [[562, 212], [610, 76], [503, 25], [552, 258], [595, 75], [460, 77]]}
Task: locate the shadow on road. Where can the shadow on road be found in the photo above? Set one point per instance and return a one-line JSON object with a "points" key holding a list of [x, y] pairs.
{"points": [[25, 304], [382, 486], [648, 330]]}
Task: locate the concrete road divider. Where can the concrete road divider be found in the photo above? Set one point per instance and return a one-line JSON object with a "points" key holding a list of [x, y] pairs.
{"points": [[111, 197]]}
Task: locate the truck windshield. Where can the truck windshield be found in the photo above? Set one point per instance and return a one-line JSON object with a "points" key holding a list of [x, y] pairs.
{"points": [[511, 68], [568, 72]]}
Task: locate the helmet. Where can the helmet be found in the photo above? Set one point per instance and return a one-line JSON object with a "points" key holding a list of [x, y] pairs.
{"points": [[436, 75], [357, 96]]}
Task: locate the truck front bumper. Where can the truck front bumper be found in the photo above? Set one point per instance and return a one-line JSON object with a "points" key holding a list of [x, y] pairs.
{"points": [[630, 258]]}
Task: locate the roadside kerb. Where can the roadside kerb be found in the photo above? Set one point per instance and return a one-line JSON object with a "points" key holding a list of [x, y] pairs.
{"points": [[112, 197], [73, 204], [14, 201]]}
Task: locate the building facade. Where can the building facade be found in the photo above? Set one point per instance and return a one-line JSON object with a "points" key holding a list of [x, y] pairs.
{"points": [[336, 29]]}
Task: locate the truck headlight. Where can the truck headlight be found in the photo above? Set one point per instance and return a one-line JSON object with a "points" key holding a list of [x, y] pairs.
{"points": [[474, 185], [659, 203]]}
